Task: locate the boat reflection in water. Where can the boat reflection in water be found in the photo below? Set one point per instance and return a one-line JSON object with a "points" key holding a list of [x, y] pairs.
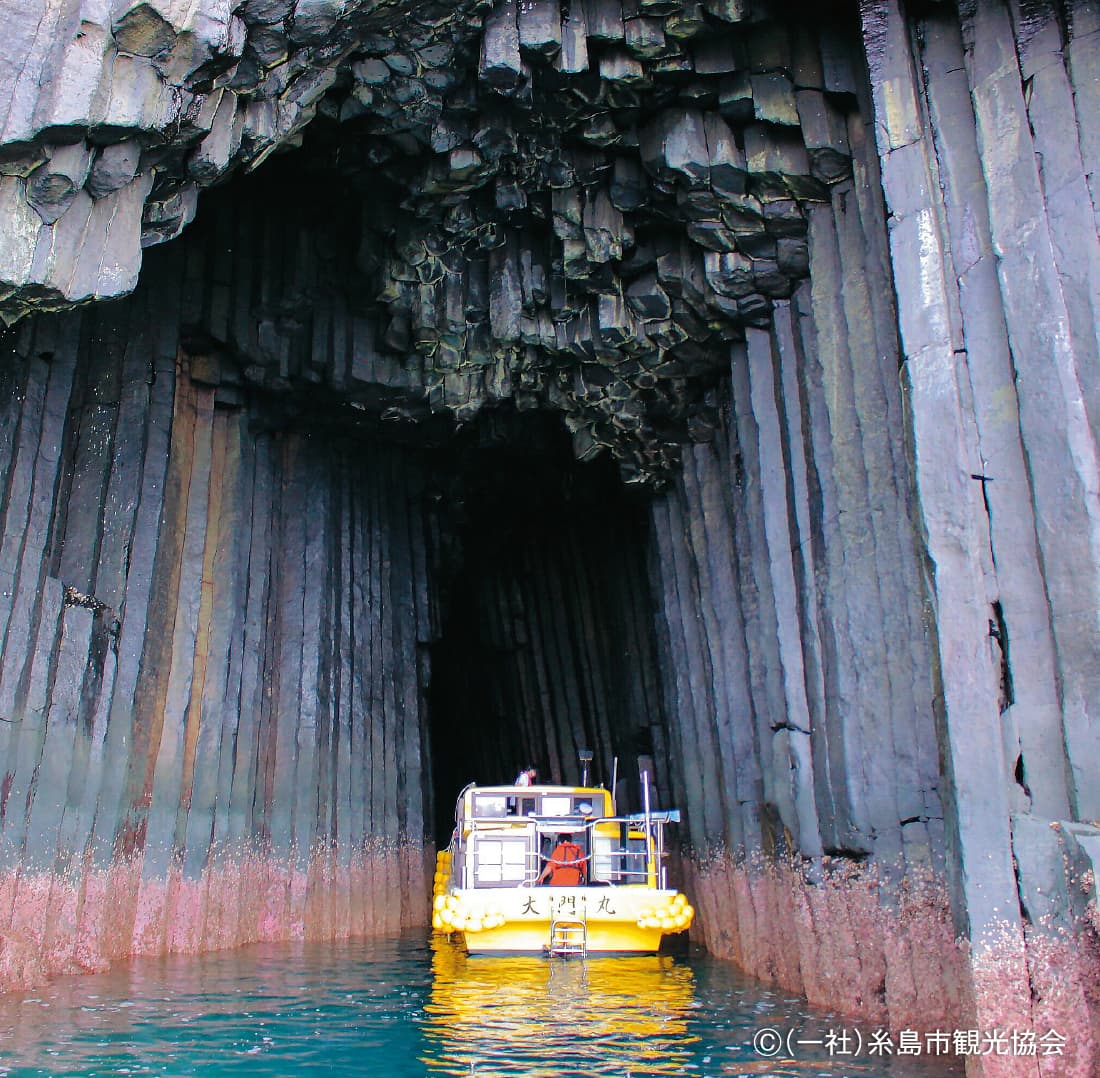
{"points": [[525, 1015]]}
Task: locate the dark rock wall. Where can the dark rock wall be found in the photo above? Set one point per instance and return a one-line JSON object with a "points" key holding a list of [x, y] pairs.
{"points": [[987, 132], [227, 585], [212, 664], [918, 713], [547, 644], [797, 650], [791, 531]]}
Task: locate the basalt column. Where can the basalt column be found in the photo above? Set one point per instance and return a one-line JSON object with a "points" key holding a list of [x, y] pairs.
{"points": [[844, 664], [795, 645], [987, 133], [211, 664]]}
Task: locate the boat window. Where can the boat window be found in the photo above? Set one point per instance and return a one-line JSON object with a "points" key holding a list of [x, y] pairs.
{"points": [[584, 808], [527, 806], [603, 858], [557, 806], [500, 861], [490, 805]]}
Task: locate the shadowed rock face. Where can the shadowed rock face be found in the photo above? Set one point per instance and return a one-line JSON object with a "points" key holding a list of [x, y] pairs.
{"points": [[567, 206], [707, 384]]}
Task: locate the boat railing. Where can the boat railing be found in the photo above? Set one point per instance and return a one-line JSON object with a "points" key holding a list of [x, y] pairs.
{"points": [[621, 850]]}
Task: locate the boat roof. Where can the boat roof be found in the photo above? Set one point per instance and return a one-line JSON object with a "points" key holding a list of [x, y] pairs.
{"points": [[535, 788]]}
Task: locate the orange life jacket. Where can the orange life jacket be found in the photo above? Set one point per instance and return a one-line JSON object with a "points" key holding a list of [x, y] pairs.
{"points": [[566, 865]]}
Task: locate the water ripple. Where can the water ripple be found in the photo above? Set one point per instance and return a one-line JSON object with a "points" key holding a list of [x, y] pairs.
{"points": [[406, 1007]]}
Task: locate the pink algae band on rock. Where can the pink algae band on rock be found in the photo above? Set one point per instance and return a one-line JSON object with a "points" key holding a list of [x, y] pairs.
{"points": [[81, 922], [896, 963]]}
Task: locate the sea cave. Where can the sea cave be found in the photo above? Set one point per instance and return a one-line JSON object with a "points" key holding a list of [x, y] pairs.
{"points": [[396, 394]]}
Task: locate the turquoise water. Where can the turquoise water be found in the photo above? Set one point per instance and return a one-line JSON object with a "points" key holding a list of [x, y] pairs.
{"points": [[408, 1007]]}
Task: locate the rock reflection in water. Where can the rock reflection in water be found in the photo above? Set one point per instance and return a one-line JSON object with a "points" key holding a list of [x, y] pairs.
{"points": [[521, 1015], [404, 1008]]}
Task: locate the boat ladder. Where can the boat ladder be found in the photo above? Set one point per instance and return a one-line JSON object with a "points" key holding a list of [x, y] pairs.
{"points": [[568, 938]]}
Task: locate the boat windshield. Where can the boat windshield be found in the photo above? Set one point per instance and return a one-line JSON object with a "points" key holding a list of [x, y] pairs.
{"points": [[505, 835], [524, 801]]}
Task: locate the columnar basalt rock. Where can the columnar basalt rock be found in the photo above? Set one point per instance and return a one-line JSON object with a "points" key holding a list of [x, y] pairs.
{"points": [[998, 358], [181, 712], [820, 284], [576, 214]]}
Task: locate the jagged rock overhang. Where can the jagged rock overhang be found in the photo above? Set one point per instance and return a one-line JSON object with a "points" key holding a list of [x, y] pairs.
{"points": [[576, 208]]}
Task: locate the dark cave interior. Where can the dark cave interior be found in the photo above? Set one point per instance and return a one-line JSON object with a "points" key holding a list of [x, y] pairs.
{"points": [[537, 561], [545, 646]]}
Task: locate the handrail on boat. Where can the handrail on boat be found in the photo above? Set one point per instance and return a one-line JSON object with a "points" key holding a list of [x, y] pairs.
{"points": [[606, 865]]}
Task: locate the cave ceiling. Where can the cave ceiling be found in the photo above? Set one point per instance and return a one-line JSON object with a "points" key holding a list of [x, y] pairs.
{"points": [[570, 206]]}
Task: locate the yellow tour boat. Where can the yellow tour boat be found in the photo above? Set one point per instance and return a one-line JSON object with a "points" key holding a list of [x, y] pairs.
{"points": [[553, 870]]}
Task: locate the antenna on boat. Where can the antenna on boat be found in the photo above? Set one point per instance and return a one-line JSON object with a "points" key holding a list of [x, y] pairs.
{"points": [[585, 757], [645, 771]]}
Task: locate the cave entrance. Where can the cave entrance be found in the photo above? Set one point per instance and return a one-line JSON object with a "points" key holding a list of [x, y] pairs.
{"points": [[547, 641], [429, 505]]}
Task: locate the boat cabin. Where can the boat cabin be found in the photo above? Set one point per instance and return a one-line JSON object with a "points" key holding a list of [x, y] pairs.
{"points": [[504, 835]]}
